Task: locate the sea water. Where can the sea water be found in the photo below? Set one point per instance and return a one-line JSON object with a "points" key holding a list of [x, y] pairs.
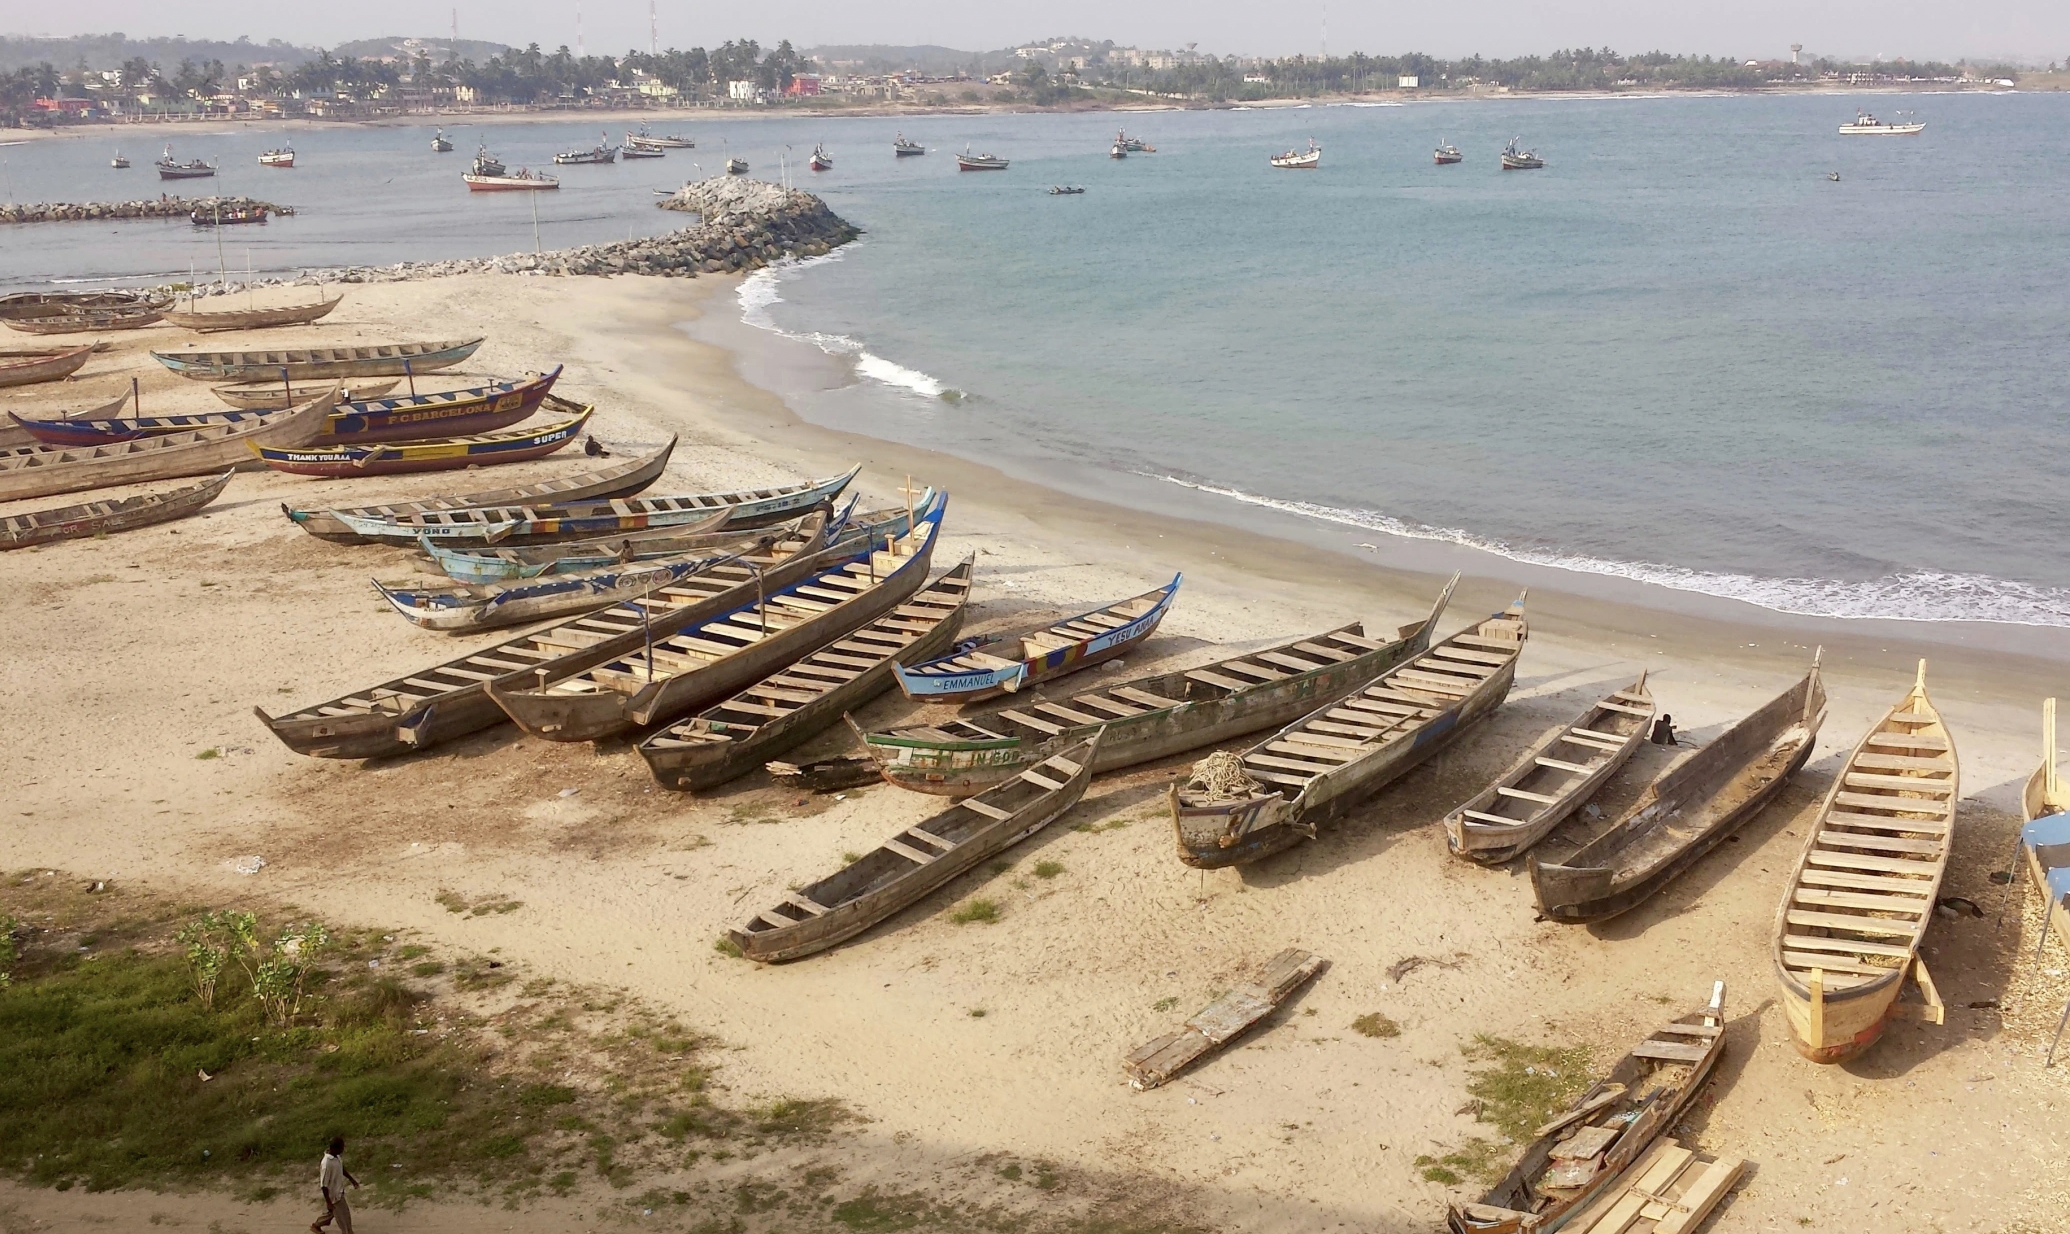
{"points": [[1680, 353]]}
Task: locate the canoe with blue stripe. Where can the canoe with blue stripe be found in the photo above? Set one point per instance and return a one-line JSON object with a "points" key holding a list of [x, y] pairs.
{"points": [[319, 363], [546, 524], [482, 608], [446, 454], [701, 662], [454, 413], [503, 564], [1064, 647]]}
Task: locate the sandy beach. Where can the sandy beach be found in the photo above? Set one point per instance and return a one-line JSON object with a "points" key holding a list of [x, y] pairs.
{"points": [[131, 656]]}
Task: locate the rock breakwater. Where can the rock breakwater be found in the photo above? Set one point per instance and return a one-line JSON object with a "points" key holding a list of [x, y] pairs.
{"points": [[163, 207]]}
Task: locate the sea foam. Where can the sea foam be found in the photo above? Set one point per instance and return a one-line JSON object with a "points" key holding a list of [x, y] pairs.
{"points": [[763, 289]]}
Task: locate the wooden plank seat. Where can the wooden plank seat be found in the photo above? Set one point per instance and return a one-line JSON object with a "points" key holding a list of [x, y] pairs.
{"points": [[1590, 737], [1283, 660], [1417, 677], [1248, 669], [1491, 658], [1911, 741], [1845, 946], [1670, 1051], [1861, 925], [1218, 680], [985, 808], [1910, 805], [1902, 762], [1156, 702], [1022, 717], [1607, 705], [1314, 752], [1502, 819], [1878, 822], [1691, 1030], [1863, 861], [797, 900], [1557, 765], [1036, 777], [910, 853], [1062, 712], [1113, 707], [1832, 963], [1362, 732], [1525, 794], [1492, 644], [1874, 901], [1442, 658], [1337, 654], [1912, 784], [1310, 768], [1885, 844], [1881, 882], [928, 837]]}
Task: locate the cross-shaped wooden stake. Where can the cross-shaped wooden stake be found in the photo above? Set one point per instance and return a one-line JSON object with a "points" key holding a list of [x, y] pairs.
{"points": [[910, 493]]}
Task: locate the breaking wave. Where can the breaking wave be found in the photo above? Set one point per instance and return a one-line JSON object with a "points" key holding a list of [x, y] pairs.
{"points": [[762, 290]]}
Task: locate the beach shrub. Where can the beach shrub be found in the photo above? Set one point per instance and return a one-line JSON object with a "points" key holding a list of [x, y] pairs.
{"points": [[206, 942], [1048, 869], [1520, 1086], [979, 909], [1373, 1024]]}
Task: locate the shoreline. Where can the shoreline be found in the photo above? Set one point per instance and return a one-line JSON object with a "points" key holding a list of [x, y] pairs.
{"points": [[612, 874]]}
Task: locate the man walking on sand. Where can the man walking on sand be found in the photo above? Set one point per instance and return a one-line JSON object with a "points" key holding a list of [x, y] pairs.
{"points": [[331, 1178]]}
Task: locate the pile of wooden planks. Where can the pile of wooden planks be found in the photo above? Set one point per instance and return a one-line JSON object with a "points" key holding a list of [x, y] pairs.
{"points": [[1670, 1191]]}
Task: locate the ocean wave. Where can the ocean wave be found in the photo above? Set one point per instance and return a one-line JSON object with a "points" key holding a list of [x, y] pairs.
{"points": [[762, 290], [1912, 595]]}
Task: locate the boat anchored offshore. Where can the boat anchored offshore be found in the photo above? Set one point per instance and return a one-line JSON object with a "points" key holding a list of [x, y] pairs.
{"points": [[1866, 125], [192, 169], [821, 160], [1299, 160], [634, 150], [479, 182], [1515, 158], [440, 143], [602, 152], [736, 166], [967, 161], [486, 164], [1447, 153], [1066, 190], [283, 157], [1120, 148], [667, 141], [119, 163], [901, 147]]}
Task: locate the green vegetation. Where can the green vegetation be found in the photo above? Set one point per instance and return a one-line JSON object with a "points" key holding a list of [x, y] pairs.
{"points": [[209, 753], [1520, 1087], [1373, 1024], [8, 925], [1479, 1159], [1048, 869], [727, 947], [1164, 1004], [979, 909]]}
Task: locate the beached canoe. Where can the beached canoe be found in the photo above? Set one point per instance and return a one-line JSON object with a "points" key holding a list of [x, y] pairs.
{"points": [[1149, 718], [437, 704], [1687, 812], [44, 471], [268, 395], [2044, 842], [773, 716], [414, 418], [700, 662], [90, 321], [621, 479], [918, 860], [313, 363], [540, 523], [1234, 810], [512, 445], [484, 566], [97, 518], [43, 366], [1847, 933], [1576, 1156], [254, 319], [13, 436], [1040, 655], [464, 607], [1554, 778], [20, 305]]}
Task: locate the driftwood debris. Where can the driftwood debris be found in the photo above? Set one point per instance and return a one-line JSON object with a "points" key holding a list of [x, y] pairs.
{"points": [[1670, 1191], [1222, 1020]]}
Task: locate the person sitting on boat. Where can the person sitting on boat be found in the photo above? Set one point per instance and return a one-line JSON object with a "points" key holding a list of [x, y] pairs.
{"points": [[1663, 733]]}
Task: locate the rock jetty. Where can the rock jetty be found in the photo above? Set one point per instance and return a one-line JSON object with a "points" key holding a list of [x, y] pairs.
{"points": [[162, 208]]}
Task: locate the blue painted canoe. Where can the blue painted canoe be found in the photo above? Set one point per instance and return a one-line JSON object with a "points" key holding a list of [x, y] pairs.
{"points": [[1053, 651], [445, 454]]}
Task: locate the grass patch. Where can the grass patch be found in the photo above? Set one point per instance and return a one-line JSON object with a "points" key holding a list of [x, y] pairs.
{"points": [[1522, 1086], [1479, 1159], [976, 1013], [979, 909], [1000, 866], [209, 753], [1048, 869], [1096, 828], [1164, 1004], [727, 947], [849, 858], [428, 968], [875, 1211], [412, 951], [453, 901], [1373, 1024]]}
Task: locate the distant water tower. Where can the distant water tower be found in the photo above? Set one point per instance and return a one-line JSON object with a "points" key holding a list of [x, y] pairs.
{"points": [[1796, 50]]}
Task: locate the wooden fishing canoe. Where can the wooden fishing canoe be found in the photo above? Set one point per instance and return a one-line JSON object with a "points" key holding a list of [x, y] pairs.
{"points": [[1040, 655], [31, 304], [90, 321], [13, 436], [1554, 778], [413, 419], [1341, 753], [326, 363], [1149, 718], [545, 524], [620, 479], [254, 319], [43, 472], [918, 860], [268, 395], [1687, 812], [2045, 793], [480, 567], [773, 716], [511, 445], [700, 662], [45, 366], [433, 705], [96, 518], [1863, 892], [1585, 1150]]}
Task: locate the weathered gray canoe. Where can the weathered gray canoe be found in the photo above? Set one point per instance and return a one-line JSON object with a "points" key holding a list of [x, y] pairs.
{"points": [[102, 517], [917, 860], [311, 363], [1148, 718], [254, 319]]}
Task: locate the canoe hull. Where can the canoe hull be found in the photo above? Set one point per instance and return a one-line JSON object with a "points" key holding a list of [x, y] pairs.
{"points": [[310, 365], [1492, 844], [100, 518], [974, 687], [402, 458], [256, 319], [44, 473], [55, 367]]}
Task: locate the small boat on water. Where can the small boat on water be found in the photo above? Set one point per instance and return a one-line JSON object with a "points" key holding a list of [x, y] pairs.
{"points": [[1040, 655], [217, 215], [1299, 160], [903, 148], [1119, 150], [967, 161], [633, 150], [99, 518], [1848, 931], [1578, 1154], [1554, 778], [486, 164], [193, 169], [905, 868], [1148, 718], [1687, 812], [602, 152], [1447, 153], [621, 479], [520, 181], [821, 160], [1066, 190], [1866, 125], [667, 141], [1235, 809], [440, 143], [283, 157], [119, 163], [736, 166], [1136, 145], [1515, 158]]}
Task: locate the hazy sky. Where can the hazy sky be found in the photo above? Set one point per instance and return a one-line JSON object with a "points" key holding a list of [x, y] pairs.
{"points": [[2027, 29]]}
